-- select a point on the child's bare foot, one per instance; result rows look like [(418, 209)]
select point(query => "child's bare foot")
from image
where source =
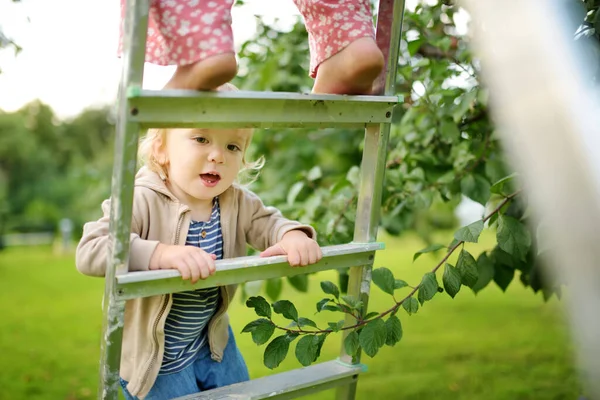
[(207, 74), (351, 71)]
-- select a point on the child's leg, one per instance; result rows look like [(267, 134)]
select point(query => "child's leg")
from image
[(344, 56), (169, 386), (207, 74), (195, 36), (351, 71), (212, 374)]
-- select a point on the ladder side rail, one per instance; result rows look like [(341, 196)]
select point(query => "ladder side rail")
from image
[(389, 30), (549, 123), (124, 168)]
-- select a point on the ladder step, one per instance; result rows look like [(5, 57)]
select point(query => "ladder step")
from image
[(243, 269), (286, 385), (245, 109)]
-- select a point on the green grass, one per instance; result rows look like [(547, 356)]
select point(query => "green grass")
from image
[(491, 346)]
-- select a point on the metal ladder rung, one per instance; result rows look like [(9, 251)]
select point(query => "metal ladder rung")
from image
[(243, 269), (245, 109), (286, 385)]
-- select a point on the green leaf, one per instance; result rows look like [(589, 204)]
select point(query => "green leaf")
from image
[(503, 275), (372, 337), (273, 288), (466, 101), (513, 237), (352, 301), (321, 304), (336, 326), (492, 220), (351, 343), (504, 186), (306, 322), (485, 272), (384, 279), (294, 191), (428, 287), (470, 233), (299, 282), (314, 173), (320, 340), (260, 305), (276, 351), (399, 284), (330, 307), (451, 280), (467, 267), (411, 305), (286, 308), (475, 187), (261, 329), (394, 330), (330, 288), (449, 130), (495, 170), (353, 175), (302, 322), (371, 315), (428, 249), (414, 46), (306, 349)]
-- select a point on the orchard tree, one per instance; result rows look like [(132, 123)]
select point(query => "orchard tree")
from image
[(443, 147)]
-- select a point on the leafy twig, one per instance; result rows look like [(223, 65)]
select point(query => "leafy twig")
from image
[(451, 250)]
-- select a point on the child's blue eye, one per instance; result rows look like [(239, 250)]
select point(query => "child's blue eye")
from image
[(201, 139), (233, 147)]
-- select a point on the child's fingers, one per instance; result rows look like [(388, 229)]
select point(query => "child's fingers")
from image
[(197, 260), (313, 254), (318, 251), (293, 256), (194, 268), (209, 262), (275, 250), (184, 269), (303, 252)]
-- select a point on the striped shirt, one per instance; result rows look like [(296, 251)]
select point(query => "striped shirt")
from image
[(186, 324)]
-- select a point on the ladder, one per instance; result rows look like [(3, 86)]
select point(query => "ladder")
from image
[(142, 109)]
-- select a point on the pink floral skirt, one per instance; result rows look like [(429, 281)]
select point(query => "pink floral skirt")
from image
[(182, 32)]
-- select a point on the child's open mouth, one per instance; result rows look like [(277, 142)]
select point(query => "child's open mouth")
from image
[(210, 179)]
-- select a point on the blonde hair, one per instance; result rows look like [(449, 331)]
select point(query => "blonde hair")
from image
[(246, 175)]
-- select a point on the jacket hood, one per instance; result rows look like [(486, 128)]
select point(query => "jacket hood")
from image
[(145, 177)]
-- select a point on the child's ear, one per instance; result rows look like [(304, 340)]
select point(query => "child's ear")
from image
[(159, 152)]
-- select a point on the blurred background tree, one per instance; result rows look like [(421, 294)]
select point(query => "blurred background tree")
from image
[(443, 147)]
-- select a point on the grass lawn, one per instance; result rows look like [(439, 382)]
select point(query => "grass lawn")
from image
[(491, 346)]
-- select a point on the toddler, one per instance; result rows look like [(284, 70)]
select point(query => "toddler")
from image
[(196, 36), (188, 211)]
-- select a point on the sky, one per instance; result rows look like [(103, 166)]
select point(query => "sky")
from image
[(69, 50)]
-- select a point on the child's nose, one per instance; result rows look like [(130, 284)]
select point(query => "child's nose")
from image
[(217, 155)]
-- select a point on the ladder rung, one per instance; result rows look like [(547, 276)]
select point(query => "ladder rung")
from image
[(286, 385), (245, 109), (243, 269)]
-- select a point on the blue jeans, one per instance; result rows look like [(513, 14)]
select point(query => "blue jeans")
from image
[(201, 375)]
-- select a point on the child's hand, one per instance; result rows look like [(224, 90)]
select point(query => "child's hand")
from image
[(300, 249), (192, 262)]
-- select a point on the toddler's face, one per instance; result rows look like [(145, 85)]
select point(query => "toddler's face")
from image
[(202, 163)]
